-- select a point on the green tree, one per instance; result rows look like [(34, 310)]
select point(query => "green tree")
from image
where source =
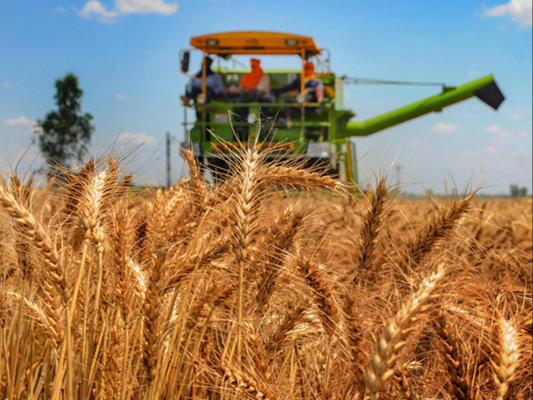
[(517, 191), (65, 132)]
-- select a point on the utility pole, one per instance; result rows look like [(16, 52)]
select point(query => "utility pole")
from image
[(169, 177), (398, 170)]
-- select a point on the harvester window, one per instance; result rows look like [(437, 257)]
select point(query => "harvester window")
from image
[(232, 80)]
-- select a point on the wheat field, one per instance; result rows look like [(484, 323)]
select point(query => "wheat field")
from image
[(246, 290)]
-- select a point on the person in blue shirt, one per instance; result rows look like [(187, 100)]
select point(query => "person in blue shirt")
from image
[(213, 82)]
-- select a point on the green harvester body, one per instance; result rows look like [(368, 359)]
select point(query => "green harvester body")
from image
[(319, 132)]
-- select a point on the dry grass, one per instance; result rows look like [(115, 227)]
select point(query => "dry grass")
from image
[(243, 291)]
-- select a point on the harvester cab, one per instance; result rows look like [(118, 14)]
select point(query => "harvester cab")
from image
[(305, 103)]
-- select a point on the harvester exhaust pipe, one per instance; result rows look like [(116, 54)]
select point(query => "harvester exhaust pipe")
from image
[(490, 95)]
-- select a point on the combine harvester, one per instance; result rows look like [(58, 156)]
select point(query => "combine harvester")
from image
[(320, 132)]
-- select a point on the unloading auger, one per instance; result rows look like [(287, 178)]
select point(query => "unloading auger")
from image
[(484, 89)]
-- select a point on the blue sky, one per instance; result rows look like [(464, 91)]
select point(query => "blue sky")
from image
[(125, 53)]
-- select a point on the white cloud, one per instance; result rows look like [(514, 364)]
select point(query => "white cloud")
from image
[(19, 121), (442, 127), (493, 129), (506, 135), (517, 116), (519, 10), (145, 6), (473, 72), (121, 96), (141, 138), (7, 84), (418, 147), (60, 9), (95, 9)]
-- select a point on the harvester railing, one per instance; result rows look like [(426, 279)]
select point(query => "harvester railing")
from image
[(301, 122)]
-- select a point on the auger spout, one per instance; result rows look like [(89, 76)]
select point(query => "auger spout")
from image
[(484, 89)]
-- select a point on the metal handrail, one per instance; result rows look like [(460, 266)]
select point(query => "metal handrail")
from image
[(219, 124), (302, 124), (258, 104)]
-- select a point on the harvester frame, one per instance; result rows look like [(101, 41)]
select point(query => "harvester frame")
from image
[(322, 132)]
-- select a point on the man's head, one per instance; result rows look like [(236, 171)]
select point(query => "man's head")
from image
[(208, 62), (255, 63), (309, 69)]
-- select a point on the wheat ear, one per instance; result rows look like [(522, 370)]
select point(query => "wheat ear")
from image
[(244, 382), (258, 353), (75, 189), (279, 335), (34, 231), (370, 228), (453, 358), (198, 185), (92, 205), (123, 285), (283, 234), (322, 293), (436, 231), (292, 176), (245, 202), (353, 335), (152, 313), (177, 195), (52, 281), (505, 368), (383, 363)]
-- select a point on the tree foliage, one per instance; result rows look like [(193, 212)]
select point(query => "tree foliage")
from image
[(517, 191), (65, 132)]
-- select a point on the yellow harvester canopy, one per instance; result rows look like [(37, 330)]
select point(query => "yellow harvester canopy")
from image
[(255, 43)]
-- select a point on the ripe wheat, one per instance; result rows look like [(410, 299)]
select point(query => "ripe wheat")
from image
[(252, 289)]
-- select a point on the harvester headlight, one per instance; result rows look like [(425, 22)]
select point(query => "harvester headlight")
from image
[(212, 42), (252, 118), (200, 99), (321, 150), (291, 42)]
